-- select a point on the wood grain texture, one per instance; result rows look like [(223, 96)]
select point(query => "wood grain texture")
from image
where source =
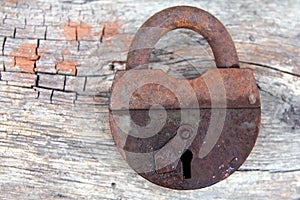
[(57, 64)]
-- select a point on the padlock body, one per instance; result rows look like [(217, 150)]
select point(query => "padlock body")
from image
[(236, 115)]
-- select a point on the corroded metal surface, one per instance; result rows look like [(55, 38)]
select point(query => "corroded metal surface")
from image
[(238, 136), (239, 84), (184, 134), (182, 17), (231, 150)]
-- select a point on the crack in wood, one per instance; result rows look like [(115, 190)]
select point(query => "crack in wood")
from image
[(102, 34), (14, 33), (3, 44), (270, 67), (269, 171)]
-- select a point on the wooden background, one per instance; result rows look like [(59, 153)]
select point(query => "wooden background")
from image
[(57, 64)]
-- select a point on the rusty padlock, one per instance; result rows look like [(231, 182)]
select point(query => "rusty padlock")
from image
[(184, 134)]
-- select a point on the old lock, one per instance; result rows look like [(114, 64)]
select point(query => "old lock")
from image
[(184, 134)]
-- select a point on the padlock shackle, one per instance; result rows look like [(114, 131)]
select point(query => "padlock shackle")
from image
[(182, 17)]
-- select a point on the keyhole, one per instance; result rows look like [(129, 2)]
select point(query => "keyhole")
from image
[(186, 160)]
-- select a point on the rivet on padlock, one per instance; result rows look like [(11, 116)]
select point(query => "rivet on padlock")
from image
[(184, 134)]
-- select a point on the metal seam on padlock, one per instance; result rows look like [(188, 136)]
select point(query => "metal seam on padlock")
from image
[(184, 134)]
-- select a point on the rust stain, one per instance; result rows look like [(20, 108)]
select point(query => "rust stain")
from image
[(70, 32), (66, 52), (24, 64), (13, 1), (111, 29), (73, 24), (24, 57), (77, 31), (67, 67), (84, 31), (26, 51)]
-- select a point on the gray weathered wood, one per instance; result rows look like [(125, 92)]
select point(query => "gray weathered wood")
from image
[(55, 141)]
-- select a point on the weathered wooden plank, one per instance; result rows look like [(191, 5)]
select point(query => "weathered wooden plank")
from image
[(55, 141)]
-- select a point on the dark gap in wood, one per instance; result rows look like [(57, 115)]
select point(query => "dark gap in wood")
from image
[(26, 38), (102, 94), (111, 66), (102, 34), (84, 84), (76, 34), (253, 170), (99, 76), (3, 44), (37, 80), (75, 74), (19, 86), (286, 171), (76, 97), (55, 89), (65, 82), (36, 53), (49, 73), (258, 86), (78, 46), (75, 181), (56, 40), (180, 61), (45, 34), (270, 171), (34, 64), (51, 96), (15, 31), (62, 196), (160, 52), (37, 46), (38, 94), (269, 93), (21, 168), (20, 72)]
